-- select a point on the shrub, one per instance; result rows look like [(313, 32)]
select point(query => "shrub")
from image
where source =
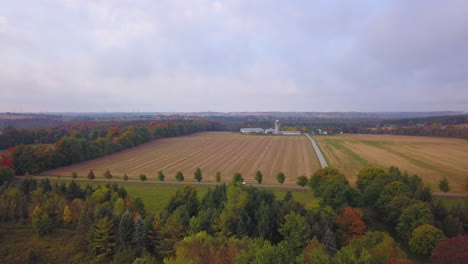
[(142, 177), (218, 176), (74, 175), (125, 177)]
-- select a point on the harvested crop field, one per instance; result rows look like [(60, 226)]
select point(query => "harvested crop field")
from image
[(429, 157), (211, 151)]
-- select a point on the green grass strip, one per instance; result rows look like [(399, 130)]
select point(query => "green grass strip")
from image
[(337, 143)]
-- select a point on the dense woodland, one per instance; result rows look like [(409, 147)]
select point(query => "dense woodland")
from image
[(29, 150), (239, 224)]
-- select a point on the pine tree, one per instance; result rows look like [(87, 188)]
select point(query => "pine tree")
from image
[(329, 240), (103, 240), (126, 228), (140, 234)]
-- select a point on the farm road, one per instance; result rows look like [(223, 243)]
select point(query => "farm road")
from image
[(322, 161)]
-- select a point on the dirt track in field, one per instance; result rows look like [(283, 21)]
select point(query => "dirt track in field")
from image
[(211, 151), (429, 157)]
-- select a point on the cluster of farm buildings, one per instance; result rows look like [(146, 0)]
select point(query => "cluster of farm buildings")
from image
[(274, 131)]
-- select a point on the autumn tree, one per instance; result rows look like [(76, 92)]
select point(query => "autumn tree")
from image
[(67, 215), (454, 250), (424, 238), (259, 176), (179, 176), (349, 225), (444, 185), (102, 239), (197, 175), (161, 176), (280, 177), (218, 176), (91, 175)]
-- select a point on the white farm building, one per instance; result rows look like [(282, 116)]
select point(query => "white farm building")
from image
[(275, 131)]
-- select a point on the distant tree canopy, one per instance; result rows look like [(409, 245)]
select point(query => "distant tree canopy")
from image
[(85, 141)]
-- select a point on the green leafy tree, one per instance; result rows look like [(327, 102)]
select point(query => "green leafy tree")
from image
[(197, 175), (444, 185), (237, 178), (395, 207), (366, 176), (218, 176), (42, 223), (424, 238), (119, 206), (390, 191), (172, 232), (315, 252), (161, 176), (280, 177), (7, 174), (302, 181), (74, 175), (107, 174), (412, 217), (102, 240), (295, 232), (67, 215), (179, 176), (125, 177), (142, 177), (259, 177)]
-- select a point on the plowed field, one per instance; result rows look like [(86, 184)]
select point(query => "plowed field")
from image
[(211, 151), (429, 157)]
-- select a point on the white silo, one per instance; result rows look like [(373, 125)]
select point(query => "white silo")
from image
[(277, 127)]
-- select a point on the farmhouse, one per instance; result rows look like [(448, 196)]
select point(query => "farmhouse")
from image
[(275, 131)]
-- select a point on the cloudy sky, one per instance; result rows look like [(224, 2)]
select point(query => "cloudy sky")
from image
[(233, 55)]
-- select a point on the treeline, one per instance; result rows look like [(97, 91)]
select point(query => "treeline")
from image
[(442, 120), (239, 224), (86, 141), (426, 131)]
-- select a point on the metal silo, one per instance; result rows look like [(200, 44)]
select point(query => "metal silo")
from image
[(277, 127)]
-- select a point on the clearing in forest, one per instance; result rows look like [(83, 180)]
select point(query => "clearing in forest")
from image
[(211, 151)]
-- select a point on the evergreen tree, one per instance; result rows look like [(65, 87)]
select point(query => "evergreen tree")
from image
[(102, 240), (126, 228), (140, 234), (329, 240)]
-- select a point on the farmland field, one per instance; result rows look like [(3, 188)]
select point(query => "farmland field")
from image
[(429, 157), (211, 151)]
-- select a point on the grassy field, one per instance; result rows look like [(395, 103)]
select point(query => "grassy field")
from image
[(429, 157), (212, 151)]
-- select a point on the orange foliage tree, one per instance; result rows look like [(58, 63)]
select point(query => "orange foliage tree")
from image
[(350, 225)]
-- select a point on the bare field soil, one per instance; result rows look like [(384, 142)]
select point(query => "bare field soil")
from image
[(211, 151), (429, 157)]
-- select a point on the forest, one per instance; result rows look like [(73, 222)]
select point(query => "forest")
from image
[(36, 150), (234, 223)]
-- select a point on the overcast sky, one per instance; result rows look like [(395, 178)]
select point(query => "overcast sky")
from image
[(234, 55)]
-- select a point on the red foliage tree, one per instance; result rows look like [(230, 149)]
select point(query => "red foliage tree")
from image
[(350, 225), (7, 163), (453, 250)]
